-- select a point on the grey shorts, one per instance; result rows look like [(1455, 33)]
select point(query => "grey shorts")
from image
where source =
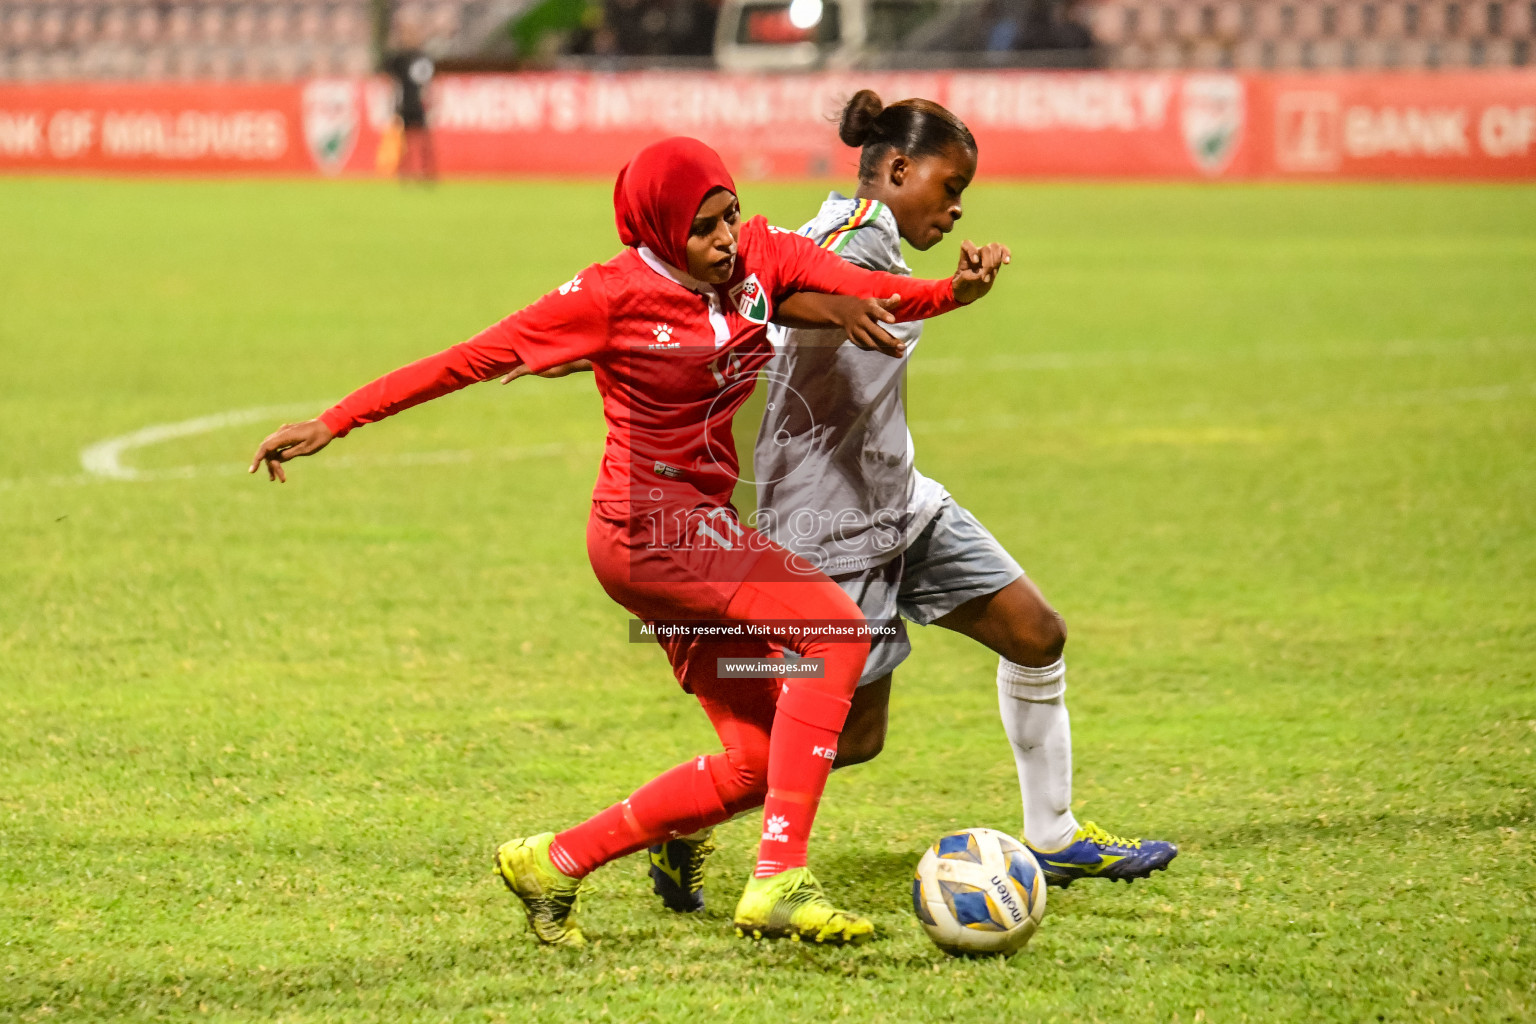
[(952, 561)]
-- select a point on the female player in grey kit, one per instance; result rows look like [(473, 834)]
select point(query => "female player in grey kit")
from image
[(837, 485)]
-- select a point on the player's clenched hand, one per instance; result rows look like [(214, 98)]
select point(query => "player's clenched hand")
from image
[(862, 320), (978, 270), (562, 370), (865, 323), (289, 442)]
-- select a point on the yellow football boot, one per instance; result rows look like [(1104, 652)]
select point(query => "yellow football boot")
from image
[(791, 905), (548, 896)]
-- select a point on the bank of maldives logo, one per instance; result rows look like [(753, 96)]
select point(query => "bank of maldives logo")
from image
[(330, 122), (1212, 112)]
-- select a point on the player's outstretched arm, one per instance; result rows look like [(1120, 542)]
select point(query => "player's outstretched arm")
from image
[(978, 270), (803, 266), (290, 441), (564, 328), (561, 370), (862, 320)]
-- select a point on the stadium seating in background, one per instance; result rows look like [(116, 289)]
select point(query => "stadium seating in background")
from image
[(1314, 34), (281, 40), (214, 40)]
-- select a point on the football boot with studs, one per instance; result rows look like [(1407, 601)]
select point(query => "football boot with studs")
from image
[(677, 871), (548, 895), (791, 905), (1095, 853)]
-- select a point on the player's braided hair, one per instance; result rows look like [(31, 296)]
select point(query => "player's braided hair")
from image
[(914, 128)]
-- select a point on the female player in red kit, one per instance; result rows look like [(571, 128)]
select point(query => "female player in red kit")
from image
[(675, 327)]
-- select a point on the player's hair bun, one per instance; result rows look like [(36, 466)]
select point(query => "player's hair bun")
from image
[(858, 120), (914, 127)]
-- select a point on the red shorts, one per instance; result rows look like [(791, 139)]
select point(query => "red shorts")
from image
[(663, 563), (658, 581)]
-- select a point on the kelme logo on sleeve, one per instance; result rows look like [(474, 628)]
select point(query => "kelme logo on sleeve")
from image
[(751, 300)]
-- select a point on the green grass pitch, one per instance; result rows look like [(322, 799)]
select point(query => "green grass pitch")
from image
[(1271, 450)]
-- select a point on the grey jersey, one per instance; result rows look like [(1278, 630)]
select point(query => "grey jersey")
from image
[(836, 481)]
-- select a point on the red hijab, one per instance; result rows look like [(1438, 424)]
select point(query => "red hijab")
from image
[(659, 192)]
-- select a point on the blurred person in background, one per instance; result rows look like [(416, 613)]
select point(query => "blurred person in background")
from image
[(1012, 25), (998, 31), (673, 28), (411, 69), (1068, 28), (691, 27), (631, 28)]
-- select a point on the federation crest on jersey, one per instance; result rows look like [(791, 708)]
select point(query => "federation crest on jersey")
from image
[(751, 299), (1212, 112), (330, 122)]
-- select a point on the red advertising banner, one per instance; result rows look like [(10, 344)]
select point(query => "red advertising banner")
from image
[(152, 129), (1474, 126), (1469, 126)]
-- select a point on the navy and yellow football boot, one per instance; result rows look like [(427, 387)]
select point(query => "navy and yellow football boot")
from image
[(1094, 853), (677, 871)]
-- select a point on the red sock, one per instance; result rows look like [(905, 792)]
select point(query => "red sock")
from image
[(675, 803), (800, 752), (809, 714)]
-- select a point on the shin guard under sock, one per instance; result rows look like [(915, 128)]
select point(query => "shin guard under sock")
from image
[(800, 752), (1034, 710), (675, 803)]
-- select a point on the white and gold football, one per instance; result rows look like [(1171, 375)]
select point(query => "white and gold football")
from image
[(979, 892)]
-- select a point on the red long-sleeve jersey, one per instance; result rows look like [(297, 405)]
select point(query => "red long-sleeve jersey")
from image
[(673, 359)]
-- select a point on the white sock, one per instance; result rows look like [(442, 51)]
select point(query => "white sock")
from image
[(1034, 709)]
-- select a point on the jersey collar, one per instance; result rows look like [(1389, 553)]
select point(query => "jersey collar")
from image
[(717, 322), (670, 272)]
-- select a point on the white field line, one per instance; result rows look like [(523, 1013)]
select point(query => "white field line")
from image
[(1488, 393), (1423, 396), (1042, 361), (103, 461), (104, 458)]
